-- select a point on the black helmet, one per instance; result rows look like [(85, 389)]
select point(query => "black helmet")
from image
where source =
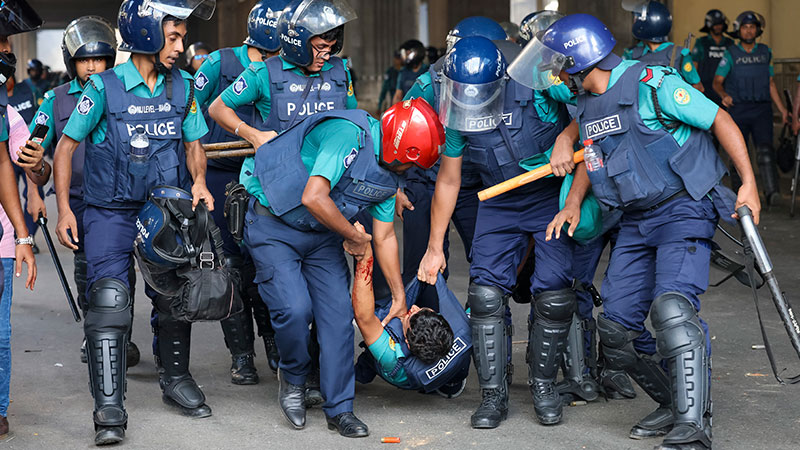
[(16, 16), (714, 17), (88, 37), (412, 52), (745, 18)]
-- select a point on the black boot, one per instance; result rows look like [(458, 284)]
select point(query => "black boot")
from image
[(617, 384), (133, 354), (291, 398), (768, 170), (348, 425), (553, 312), (273, 358), (238, 331), (180, 390), (313, 390), (492, 410)]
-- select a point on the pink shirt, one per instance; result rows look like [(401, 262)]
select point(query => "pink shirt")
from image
[(17, 136)]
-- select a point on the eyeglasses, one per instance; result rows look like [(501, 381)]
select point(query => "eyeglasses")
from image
[(322, 52), (199, 57)]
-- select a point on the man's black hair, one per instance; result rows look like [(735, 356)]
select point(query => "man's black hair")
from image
[(429, 336), (336, 34)]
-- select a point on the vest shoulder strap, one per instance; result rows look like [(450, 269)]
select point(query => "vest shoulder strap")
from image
[(63, 102), (230, 66)]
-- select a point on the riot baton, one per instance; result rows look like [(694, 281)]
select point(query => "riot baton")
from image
[(42, 221), (521, 180), (755, 249), (233, 149)]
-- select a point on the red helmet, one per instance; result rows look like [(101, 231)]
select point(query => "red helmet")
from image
[(412, 133)]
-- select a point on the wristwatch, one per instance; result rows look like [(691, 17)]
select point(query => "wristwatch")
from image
[(27, 240), (40, 172)]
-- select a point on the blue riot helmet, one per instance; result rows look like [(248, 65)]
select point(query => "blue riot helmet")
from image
[(652, 20), (16, 16), (301, 20), (576, 44), (88, 37), (714, 17), (262, 25), (745, 18), (476, 26), (535, 22), (140, 21), (473, 85)]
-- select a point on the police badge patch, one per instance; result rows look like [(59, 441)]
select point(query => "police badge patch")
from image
[(201, 81), (85, 105), (41, 118), (350, 157), (239, 86)]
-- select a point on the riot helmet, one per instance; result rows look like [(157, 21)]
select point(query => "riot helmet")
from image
[(88, 37), (197, 51), (412, 52), (535, 22), (16, 16), (262, 25), (745, 18), (476, 26), (302, 20), (140, 21), (652, 20), (411, 133), (473, 85), (714, 17), (576, 44)]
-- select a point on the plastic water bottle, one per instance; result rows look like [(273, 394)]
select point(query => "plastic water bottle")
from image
[(592, 156), (140, 146)]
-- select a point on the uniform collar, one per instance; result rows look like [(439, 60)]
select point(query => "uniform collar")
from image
[(74, 87), (662, 46), (755, 47), (131, 77), (289, 66)]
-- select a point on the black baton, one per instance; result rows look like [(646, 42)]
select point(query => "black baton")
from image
[(42, 221)]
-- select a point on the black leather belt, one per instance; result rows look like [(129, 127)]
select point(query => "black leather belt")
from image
[(679, 194)]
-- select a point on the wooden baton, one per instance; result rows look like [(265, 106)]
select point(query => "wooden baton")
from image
[(525, 178), (227, 145), (228, 149)]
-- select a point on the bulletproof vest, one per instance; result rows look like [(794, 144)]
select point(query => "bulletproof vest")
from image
[(712, 55), (229, 70), (63, 106), (659, 57), (283, 177), (294, 96), (434, 375), (408, 78), (24, 101), (519, 135), (748, 79), (109, 179), (642, 167)]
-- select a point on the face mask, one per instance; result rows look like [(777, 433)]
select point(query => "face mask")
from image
[(8, 64)]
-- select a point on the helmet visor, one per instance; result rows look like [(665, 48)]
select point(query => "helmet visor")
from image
[(538, 66), (17, 17), (320, 16), (541, 22), (471, 107), (182, 9), (635, 6), (87, 31)]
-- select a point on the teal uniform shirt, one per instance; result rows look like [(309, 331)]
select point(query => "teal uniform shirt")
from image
[(211, 70), (93, 123), (256, 82), (546, 103), (422, 88), (679, 101), (725, 65), (323, 152), (688, 71), (388, 353), (3, 123), (45, 113)]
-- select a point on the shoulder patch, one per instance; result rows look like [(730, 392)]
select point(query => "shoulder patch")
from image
[(193, 109), (41, 118), (687, 67), (656, 75), (350, 157), (239, 86), (85, 105), (201, 81), (391, 343), (681, 96), (648, 75), (349, 89), (723, 62), (48, 95)]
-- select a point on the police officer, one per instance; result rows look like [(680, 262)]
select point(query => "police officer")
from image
[(194, 57), (651, 26), (16, 16), (744, 83), (36, 80), (413, 54), (305, 79), (500, 130), (428, 349), (390, 80), (218, 72), (709, 49), (661, 169), (308, 183), (147, 98)]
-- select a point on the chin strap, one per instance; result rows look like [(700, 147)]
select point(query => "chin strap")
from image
[(167, 72)]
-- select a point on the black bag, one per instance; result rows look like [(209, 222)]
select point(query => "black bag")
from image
[(236, 198), (208, 288), (785, 153)]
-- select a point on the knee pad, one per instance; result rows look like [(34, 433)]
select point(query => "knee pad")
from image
[(764, 153), (556, 306), (486, 301), (676, 324), (617, 342), (109, 295)]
